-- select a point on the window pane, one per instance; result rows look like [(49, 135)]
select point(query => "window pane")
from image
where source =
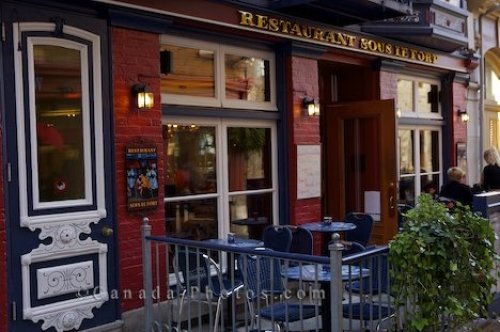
[(249, 158), (190, 154), (428, 98), (59, 127), (407, 190), (429, 184), (193, 219), (429, 151), (247, 78), (405, 95), (250, 214), (406, 154), (190, 71)]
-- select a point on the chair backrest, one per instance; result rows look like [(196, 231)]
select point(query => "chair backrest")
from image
[(364, 226), (277, 238), (192, 270), (302, 240), (261, 275)]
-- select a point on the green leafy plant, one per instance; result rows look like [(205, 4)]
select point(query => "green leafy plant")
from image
[(441, 266)]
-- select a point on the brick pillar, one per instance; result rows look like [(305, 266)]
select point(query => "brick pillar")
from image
[(135, 58), (303, 129)]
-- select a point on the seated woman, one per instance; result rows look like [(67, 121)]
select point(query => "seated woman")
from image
[(455, 190)]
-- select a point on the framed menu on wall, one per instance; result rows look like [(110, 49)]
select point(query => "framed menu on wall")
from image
[(142, 177), (308, 171)]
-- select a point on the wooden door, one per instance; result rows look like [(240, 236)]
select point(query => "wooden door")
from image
[(360, 168)]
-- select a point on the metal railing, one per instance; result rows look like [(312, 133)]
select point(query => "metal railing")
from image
[(200, 286)]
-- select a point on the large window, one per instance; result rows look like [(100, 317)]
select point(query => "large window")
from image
[(419, 162), (207, 74), (419, 146), (219, 177)]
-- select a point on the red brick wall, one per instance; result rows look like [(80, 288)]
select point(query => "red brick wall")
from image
[(135, 58), (304, 129)]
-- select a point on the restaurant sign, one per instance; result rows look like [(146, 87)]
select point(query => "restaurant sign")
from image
[(332, 37)]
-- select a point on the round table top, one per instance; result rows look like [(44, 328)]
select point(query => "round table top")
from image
[(238, 242), (332, 227), (322, 273)]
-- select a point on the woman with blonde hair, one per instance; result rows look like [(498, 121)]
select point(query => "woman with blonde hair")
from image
[(491, 172)]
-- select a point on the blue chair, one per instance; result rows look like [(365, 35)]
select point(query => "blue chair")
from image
[(364, 227), (277, 238), (377, 283), (193, 272), (258, 274), (302, 240)]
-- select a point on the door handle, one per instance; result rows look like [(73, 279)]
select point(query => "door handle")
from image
[(107, 231), (391, 194)]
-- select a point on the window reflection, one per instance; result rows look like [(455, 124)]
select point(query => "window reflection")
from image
[(429, 149), (191, 71), (250, 214), (190, 154), (405, 95), (193, 219), (249, 158), (247, 78), (59, 127), (406, 155)]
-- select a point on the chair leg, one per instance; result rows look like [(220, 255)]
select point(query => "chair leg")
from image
[(217, 314), (179, 313)]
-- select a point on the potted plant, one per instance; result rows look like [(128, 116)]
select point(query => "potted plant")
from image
[(441, 266)]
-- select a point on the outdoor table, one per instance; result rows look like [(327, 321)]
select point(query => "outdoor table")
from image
[(322, 275), (255, 226), (326, 229), (238, 242)]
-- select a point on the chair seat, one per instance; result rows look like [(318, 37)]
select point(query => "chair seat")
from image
[(366, 311), (288, 312)]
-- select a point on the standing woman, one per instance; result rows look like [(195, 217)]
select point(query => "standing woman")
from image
[(491, 172)]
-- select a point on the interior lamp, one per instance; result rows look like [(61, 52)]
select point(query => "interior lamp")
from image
[(310, 106), (144, 98), (464, 116)]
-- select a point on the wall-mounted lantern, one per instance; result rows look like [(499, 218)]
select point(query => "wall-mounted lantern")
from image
[(310, 106), (463, 115), (144, 98)]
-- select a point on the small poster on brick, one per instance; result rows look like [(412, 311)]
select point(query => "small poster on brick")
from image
[(141, 177)]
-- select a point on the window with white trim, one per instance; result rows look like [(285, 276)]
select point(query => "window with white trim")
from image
[(198, 73), (219, 176), (419, 146)]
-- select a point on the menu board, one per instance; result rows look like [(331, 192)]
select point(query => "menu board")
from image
[(308, 171)]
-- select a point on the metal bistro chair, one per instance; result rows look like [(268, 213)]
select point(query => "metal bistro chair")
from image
[(257, 274), (195, 267), (357, 239), (302, 240), (376, 284), (277, 238)]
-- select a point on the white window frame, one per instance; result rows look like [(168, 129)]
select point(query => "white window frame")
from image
[(220, 100), (415, 114), (416, 148), (223, 194), (85, 111)]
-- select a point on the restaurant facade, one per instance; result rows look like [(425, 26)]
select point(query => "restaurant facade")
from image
[(207, 118)]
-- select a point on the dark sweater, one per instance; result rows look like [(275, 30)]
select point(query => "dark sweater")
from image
[(458, 192), (491, 177)]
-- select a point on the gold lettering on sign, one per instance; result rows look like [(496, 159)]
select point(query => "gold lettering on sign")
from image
[(275, 24)]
